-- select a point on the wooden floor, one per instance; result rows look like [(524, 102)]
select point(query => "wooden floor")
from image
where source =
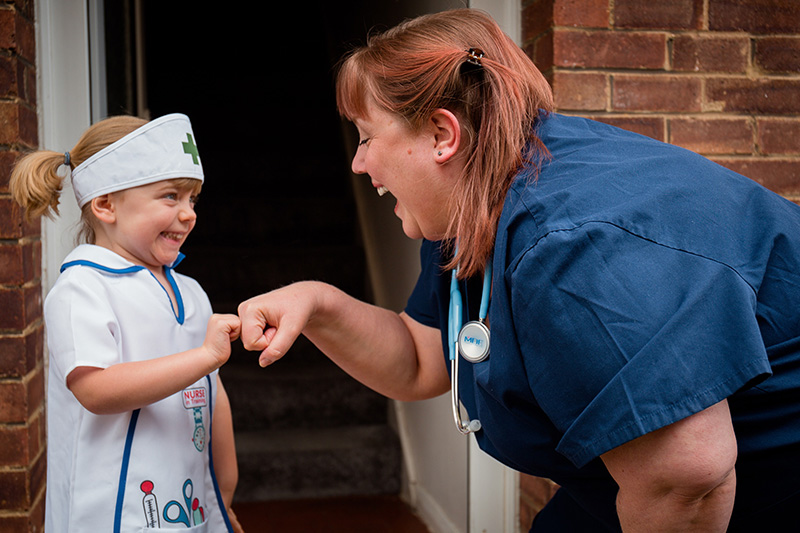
[(358, 514)]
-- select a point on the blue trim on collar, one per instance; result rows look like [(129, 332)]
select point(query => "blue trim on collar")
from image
[(180, 316), (98, 266)]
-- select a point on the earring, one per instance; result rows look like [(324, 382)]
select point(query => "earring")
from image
[(440, 153)]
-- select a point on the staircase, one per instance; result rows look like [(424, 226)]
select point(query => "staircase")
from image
[(303, 427)]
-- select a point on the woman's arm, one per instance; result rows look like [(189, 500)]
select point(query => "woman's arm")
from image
[(678, 478), (389, 352), (127, 386)]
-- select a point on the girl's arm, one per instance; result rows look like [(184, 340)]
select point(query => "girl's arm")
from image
[(128, 386), (224, 446)]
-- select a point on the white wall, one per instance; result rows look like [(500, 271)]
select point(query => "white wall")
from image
[(64, 110)]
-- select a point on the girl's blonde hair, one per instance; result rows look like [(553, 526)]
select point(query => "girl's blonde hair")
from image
[(423, 65), (36, 185)]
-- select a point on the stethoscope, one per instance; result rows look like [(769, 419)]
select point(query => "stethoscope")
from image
[(471, 341)]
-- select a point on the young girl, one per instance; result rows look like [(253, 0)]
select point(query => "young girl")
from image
[(137, 415)]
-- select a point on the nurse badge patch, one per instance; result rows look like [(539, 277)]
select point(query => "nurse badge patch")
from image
[(195, 399)]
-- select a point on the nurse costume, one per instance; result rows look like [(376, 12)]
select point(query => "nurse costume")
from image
[(150, 469), (146, 470), (635, 284)]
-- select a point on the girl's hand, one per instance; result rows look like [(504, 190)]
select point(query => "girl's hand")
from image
[(221, 331)]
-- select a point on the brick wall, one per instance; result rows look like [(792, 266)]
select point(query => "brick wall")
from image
[(22, 417), (719, 77)]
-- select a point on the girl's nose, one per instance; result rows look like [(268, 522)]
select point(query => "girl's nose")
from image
[(187, 213)]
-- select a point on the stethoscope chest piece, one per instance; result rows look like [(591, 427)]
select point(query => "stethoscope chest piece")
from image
[(473, 341)]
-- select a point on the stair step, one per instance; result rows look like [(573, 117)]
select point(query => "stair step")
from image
[(307, 391), (318, 462)]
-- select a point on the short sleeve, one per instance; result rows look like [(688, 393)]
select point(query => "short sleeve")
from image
[(621, 335), (423, 304), (81, 326)]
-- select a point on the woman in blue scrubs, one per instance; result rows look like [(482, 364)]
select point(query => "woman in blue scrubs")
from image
[(645, 332)]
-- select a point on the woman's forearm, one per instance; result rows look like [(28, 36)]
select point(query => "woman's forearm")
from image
[(389, 353)]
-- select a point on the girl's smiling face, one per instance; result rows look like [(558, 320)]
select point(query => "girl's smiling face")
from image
[(404, 162), (150, 222)]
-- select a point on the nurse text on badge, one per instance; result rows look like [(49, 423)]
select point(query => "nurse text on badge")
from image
[(194, 398)]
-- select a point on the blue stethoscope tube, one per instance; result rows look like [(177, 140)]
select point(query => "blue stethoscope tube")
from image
[(470, 341)]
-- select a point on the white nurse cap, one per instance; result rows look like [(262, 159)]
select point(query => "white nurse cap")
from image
[(160, 150)]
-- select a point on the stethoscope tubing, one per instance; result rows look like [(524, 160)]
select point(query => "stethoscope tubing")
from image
[(454, 329)]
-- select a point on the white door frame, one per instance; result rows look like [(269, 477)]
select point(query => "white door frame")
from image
[(64, 95), (493, 487)]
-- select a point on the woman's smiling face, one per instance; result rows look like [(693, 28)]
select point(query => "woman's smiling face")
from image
[(404, 162)]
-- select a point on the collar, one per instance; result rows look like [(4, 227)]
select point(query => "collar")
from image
[(106, 260)]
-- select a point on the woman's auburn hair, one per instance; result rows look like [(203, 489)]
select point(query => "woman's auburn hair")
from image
[(422, 65)]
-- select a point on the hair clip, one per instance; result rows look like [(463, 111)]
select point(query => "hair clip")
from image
[(474, 56), (66, 158)]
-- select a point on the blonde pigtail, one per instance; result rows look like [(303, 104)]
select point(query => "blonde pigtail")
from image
[(36, 185)]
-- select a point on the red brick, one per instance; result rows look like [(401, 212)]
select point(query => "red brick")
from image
[(14, 445), (12, 222), (537, 18), (13, 490), (779, 136), (778, 54), (754, 16), (713, 135), (17, 34), (710, 54), (19, 353), (17, 124), (13, 402), (35, 389), (9, 76), (37, 435), (541, 51), (581, 13), (7, 28), (662, 14), (29, 95), (653, 127), (26, 38), (20, 307), (655, 93), (17, 263), (763, 96), (606, 49), (580, 90), (779, 175), (7, 160)]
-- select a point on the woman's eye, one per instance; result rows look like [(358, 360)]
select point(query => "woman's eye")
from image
[(363, 142)]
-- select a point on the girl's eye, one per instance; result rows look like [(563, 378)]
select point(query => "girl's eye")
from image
[(171, 196), (194, 199)]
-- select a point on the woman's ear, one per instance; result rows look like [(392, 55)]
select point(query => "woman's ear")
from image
[(103, 209), (447, 135)]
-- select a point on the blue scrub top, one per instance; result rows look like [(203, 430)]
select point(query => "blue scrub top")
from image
[(635, 284)]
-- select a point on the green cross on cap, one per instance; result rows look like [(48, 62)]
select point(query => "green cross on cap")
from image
[(191, 149)]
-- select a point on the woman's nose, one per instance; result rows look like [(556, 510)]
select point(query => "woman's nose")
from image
[(358, 162)]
